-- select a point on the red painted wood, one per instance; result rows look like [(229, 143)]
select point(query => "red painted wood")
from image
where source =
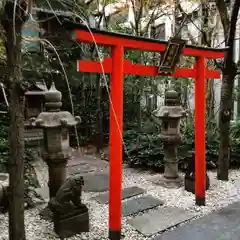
[(116, 119), (143, 45), (200, 111), (117, 67), (138, 69), (212, 74)]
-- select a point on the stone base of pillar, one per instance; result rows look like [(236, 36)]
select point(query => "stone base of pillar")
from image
[(168, 182), (189, 183), (71, 224)]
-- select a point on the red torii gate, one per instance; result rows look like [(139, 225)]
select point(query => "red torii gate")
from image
[(117, 67)]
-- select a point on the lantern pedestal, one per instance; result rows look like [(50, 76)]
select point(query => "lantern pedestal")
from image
[(169, 117), (73, 223), (168, 182)]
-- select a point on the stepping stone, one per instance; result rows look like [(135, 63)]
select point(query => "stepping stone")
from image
[(160, 220), (73, 163), (43, 192), (126, 193), (220, 225), (92, 183), (237, 183), (139, 204), (82, 169), (96, 182)]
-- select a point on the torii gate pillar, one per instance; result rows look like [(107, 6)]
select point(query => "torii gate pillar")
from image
[(200, 148), (116, 119)]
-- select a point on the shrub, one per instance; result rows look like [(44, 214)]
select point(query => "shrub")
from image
[(146, 150)]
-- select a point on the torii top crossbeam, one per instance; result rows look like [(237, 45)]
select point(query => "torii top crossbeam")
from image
[(132, 42), (117, 67)]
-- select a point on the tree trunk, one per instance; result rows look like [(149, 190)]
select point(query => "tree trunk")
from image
[(229, 73), (238, 99), (224, 123), (16, 169), (16, 134), (238, 84)]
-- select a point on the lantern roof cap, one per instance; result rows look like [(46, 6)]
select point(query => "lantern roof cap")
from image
[(53, 117), (169, 112), (53, 99), (56, 119)]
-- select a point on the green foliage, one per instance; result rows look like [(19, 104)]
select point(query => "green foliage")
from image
[(144, 148), (212, 141), (141, 138), (235, 143)]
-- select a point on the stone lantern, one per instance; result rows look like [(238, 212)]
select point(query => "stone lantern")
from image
[(55, 125), (169, 117), (34, 106)]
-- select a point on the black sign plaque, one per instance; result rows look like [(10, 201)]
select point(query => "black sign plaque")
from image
[(171, 56)]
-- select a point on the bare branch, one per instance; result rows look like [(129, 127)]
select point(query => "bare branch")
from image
[(204, 35), (29, 7), (190, 36), (222, 9), (152, 18), (233, 22)]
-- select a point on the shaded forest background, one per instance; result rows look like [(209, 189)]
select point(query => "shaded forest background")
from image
[(91, 100)]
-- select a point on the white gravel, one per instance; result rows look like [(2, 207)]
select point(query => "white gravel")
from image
[(219, 195)]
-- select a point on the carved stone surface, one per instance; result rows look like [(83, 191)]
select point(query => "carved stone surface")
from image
[(68, 226), (55, 124), (189, 179), (170, 116), (68, 197), (70, 215)]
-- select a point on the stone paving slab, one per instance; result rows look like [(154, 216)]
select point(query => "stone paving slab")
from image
[(140, 204), (126, 193), (159, 220), (89, 159), (43, 192), (96, 182), (220, 225), (72, 164), (77, 162), (92, 183), (81, 169), (94, 171)]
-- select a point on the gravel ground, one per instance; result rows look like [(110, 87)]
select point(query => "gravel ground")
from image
[(219, 195)]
